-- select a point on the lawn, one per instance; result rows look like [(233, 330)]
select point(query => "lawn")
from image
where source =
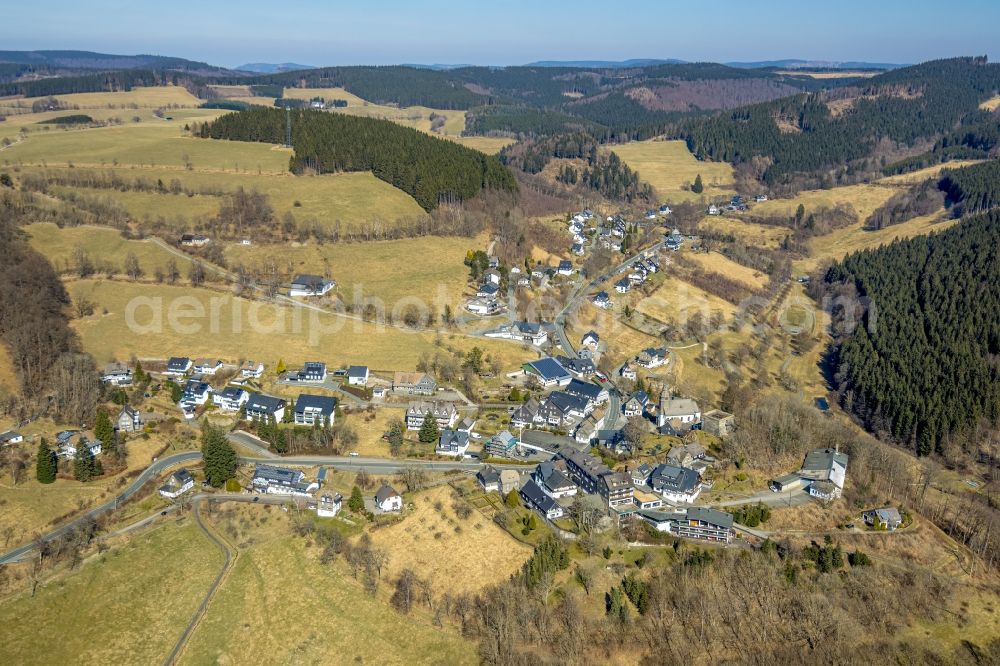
[(428, 267), (128, 605), (279, 605), (457, 554), (347, 199), (103, 246), (216, 324), (671, 168)]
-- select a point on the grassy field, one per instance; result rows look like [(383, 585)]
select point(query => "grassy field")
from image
[(249, 329), (424, 267), (297, 610), (457, 555), (992, 104), (717, 263), (102, 245), (840, 74), (864, 199), (677, 300), (761, 235), (153, 585), (351, 199), (150, 204), (154, 97), (670, 168), (927, 172)]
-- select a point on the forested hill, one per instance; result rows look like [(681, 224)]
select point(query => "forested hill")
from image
[(810, 133), (431, 170), (922, 363), (973, 188)]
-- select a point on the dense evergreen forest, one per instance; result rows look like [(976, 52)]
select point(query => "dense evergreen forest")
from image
[(431, 170), (922, 361), (101, 82), (973, 140), (973, 188), (841, 127)]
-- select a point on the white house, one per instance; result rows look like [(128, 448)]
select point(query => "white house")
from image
[(207, 366), (11, 437), (565, 267), (178, 366), (310, 285), (628, 372), (261, 406), (196, 392), (251, 370), (357, 375), (553, 481), (590, 339), (623, 286), (177, 484), (117, 374), (679, 485), (314, 410), (388, 500), (329, 505), (68, 450), (129, 420), (453, 443), (282, 481), (678, 412), (714, 210), (230, 399)]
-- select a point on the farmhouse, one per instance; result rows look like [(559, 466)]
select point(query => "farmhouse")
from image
[(259, 406), (329, 505), (452, 443), (676, 484), (414, 383), (310, 285), (178, 366), (535, 498), (387, 500), (312, 371), (251, 370), (282, 481), (442, 412), (129, 420), (314, 410), (694, 523), (887, 518), (117, 374), (230, 399), (548, 371), (357, 375), (177, 484)]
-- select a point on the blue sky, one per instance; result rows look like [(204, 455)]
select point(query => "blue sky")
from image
[(503, 32)]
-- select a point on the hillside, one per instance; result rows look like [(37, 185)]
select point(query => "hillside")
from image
[(431, 170)]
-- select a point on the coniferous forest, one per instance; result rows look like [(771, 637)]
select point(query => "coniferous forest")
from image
[(431, 170), (974, 188), (921, 363)]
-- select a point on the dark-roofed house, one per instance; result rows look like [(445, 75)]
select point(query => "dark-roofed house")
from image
[(548, 371), (887, 518), (442, 412), (581, 367), (177, 484), (312, 371), (536, 498), (616, 489), (588, 391), (652, 357), (357, 375), (196, 392), (825, 465), (259, 406), (129, 420), (329, 505), (314, 410), (282, 481), (591, 338), (568, 406), (552, 481), (452, 443), (310, 285), (178, 366), (676, 484), (489, 478), (117, 374), (524, 416), (230, 399), (11, 437), (388, 500), (694, 523), (414, 383), (565, 267), (686, 455)]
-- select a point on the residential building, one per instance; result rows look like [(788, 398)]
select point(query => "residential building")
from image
[(677, 413), (259, 406), (491, 276), (196, 392), (686, 455), (887, 518), (207, 366), (581, 367), (452, 443), (652, 357), (487, 290), (602, 300), (568, 405), (718, 423), (522, 331), (489, 479), (825, 465), (414, 383), (501, 445), (230, 399), (177, 484), (616, 489), (587, 430), (251, 370), (329, 505), (623, 286), (565, 267), (11, 437), (679, 485), (314, 410), (585, 470), (548, 371), (591, 338), (552, 481), (714, 210), (645, 501), (178, 366), (388, 500), (282, 481), (312, 371), (129, 420), (310, 285), (466, 425), (357, 375), (665, 210), (117, 374), (635, 405), (483, 307), (68, 449), (640, 474), (535, 498), (442, 412), (628, 372), (194, 240), (594, 393), (694, 523), (524, 416), (509, 480)]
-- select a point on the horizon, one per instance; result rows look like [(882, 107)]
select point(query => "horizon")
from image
[(446, 32)]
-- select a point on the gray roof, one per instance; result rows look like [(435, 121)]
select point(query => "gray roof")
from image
[(587, 390), (488, 475), (264, 403), (178, 363), (712, 516), (325, 404), (357, 371), (549, 369), (565, 402), (552, 478), (673, 478), (822, 460), (231, 392), (456, 438), (278, 475), (384, 493), (537, 497), (527, 327)]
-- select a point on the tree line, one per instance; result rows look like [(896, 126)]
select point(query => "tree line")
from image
[(431, 170), (973, 188)]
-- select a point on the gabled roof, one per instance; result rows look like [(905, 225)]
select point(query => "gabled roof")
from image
[(231, 392), (308, 280), (178, 363), (711, 516), (488, 475), (565, 402), (673, 478), (822, 460), (549, 369), (534, 495), (357, 371), (264, 403), (450, 438), (528, 328), (592, 335), (384, 493), (323, 403), (587, 390)]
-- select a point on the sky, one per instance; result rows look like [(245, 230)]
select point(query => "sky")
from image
[(507, 32)]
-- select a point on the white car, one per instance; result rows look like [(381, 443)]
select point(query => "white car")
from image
[(475, 435)]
